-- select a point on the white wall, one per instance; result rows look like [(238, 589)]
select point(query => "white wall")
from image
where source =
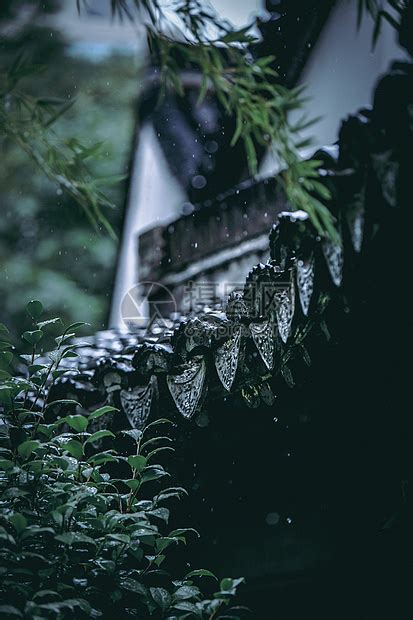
[(154, 198), (341, 73)]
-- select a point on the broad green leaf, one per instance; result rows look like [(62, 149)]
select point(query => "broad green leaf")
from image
[(34, 308), (137, 462), (134, 586), (160, 449), (77, 422), (101, 411), (184, 530), (36, 368), (101, 458), (33, 337), (153, 472), (164, 542), (134, 433), (35, 531), (62, 401), (133, 484), (151, 441), (6, 357), (161, 597), (74, 326), (201, 572), (186, 592), (123, 538), (70, 538), (74, 448), (160, 513), (18, 521), (99, 435), (157, 422), (26, 448), (187, 606), (5, 464), (228, 585)]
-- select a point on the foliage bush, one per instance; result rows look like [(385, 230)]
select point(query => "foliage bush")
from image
[(79, 539)]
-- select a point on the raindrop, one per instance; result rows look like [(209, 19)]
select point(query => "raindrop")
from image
[(198, 181), (187, 208)]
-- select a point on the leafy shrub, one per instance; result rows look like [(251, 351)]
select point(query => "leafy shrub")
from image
[(77, 540)]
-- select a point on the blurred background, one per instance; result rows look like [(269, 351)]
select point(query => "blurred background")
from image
[(48, 248)]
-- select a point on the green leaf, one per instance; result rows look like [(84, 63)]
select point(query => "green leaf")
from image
[(184, 530), (160, 449), (160, 513), (137, 462), (133, 483), (150, 441), (74, 448), (70, 538), (99, 435), (186, 592), (134, 586), (157, 422), (62, 401), (33, 337), (5, 464), (123, 538), (18, 521), (102, 457), (164, 542), (153, 472), (6, 357), (78, 422), (74, 327), (161, 597), (26, 448), (101, 411), (228, 585), (34, 308), (134, 433), (201, 572), (187, 606), (36, 368)]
